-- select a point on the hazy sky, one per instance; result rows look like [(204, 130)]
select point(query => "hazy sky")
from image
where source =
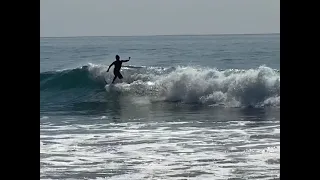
[(157, 17)]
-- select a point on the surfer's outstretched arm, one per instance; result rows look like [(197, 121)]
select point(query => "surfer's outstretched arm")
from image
[(110, 66), (126, 60)]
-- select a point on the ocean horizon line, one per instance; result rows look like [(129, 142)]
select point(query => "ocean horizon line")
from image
[(227, 34)]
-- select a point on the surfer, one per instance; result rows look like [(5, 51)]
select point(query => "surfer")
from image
[(117, 66)]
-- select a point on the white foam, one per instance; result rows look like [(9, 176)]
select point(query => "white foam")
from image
[(159, 152), (232, 87)]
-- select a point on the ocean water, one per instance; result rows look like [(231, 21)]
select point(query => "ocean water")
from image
[(188, 107)]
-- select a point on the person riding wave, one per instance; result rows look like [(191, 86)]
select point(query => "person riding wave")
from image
[(117, 67)]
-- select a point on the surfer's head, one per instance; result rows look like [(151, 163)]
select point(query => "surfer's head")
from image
[(117, 57)]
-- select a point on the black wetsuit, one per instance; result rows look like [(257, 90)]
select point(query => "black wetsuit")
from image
[(117, 67)]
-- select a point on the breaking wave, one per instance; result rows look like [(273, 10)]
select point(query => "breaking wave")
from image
[(195, 85)]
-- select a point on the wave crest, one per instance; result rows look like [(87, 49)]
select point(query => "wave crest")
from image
[(230, 87)]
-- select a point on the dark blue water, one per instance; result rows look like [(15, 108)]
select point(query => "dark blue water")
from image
[(196, 107)]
